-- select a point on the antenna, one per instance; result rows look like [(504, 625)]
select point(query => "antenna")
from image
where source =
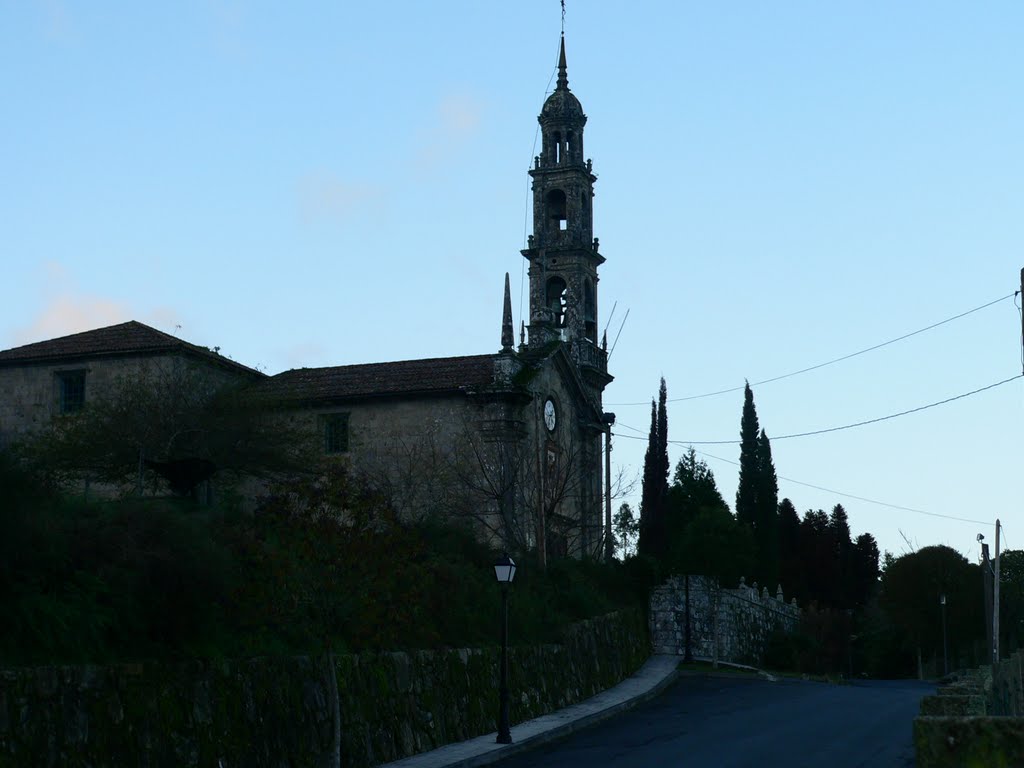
[(618, 334)]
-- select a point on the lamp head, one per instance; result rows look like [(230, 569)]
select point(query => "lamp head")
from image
[(505, 569)]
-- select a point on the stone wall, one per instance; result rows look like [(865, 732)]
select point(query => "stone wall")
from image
[(974, 720), (745, 619), (345, 711), (30, 395)]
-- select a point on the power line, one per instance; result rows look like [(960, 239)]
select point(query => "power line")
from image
[(859, 423), (834, 360), (822, 488), (854, 496)]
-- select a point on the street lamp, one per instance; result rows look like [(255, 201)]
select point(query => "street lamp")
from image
[(504, 571), (945, 647)]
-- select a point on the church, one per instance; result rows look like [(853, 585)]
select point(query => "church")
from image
[(515, 441)]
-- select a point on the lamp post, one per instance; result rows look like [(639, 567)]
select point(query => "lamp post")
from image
[(505, 571), (945, 645)]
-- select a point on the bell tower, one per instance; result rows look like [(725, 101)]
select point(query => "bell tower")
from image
[(562, 251)]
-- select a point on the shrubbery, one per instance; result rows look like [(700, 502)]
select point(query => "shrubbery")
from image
[(161, 578)]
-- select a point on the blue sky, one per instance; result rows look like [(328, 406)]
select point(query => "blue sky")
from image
[(779, 184)]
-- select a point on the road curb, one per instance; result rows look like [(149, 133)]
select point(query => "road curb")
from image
[(565, 729)]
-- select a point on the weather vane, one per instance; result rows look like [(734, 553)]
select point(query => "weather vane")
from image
[(563, 18)]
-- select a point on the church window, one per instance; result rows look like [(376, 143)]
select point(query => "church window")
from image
[(335, 426), (556, 300), (71, 391), (556, 209), (558, 147)]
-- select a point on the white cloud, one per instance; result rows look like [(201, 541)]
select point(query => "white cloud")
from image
[(456, 120), (65, 310)]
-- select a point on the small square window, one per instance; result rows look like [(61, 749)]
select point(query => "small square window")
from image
[(335, 432), (71, 386)]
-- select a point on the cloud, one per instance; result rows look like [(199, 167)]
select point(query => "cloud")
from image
[(67, 311), (456, 120), (323, 196)]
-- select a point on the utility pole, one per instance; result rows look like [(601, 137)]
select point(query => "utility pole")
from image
[(995, 603), (986, 582)]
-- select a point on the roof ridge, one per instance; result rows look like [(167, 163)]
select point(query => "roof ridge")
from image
[(485, 356)]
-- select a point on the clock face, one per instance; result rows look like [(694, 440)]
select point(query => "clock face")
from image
[(550, 417)]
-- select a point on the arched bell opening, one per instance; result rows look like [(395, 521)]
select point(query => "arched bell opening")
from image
[(555, 300), (556, 211)]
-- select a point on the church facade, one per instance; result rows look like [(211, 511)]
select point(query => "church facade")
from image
[(513, 441)]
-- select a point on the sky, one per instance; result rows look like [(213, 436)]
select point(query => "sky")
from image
[(780, 184)]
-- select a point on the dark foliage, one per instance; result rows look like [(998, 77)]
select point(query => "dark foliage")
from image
[(654, 493), (322, 564)]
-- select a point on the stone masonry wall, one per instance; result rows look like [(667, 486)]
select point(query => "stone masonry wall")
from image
[(347, 711), (746, 619)]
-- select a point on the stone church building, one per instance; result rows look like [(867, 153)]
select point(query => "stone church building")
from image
[(512, 439)]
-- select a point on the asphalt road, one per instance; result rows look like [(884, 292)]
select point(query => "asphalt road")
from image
[(740, 722)]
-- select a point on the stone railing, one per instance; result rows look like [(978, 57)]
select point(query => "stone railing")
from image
[(727, 624)]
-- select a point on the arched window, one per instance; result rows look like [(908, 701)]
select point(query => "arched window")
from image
[(555, 300), (557, 147), (556, 210)]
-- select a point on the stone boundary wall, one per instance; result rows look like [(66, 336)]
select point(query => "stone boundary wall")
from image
[(346, 710), (978, 719), (746, 619)]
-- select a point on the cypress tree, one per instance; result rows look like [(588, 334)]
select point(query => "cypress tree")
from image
[(646, 544), (663, 467), (746, 493), (766, 527), (654, 495)]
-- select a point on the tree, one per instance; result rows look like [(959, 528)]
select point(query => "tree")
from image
[(791, 571), (663, 463), (817, 553), (1011, 598), (864, 569), (175, 425), (910, 592), (757, 496), (839, 527), (626, 528), (766, 530), (746, 493), (655, 481), (693, 489)]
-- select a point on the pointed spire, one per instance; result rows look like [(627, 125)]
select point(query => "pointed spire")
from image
[(507, 337), (563, 77)]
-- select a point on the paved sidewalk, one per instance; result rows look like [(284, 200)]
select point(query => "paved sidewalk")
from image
[(657, 673)]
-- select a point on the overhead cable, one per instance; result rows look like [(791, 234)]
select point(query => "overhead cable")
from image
[(834, 360), (822, 488), (858, 423)]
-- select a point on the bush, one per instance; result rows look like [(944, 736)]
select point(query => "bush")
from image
[(162, 578)]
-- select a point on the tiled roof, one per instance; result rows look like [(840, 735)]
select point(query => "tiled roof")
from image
[(405, 377), (131, 338)]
